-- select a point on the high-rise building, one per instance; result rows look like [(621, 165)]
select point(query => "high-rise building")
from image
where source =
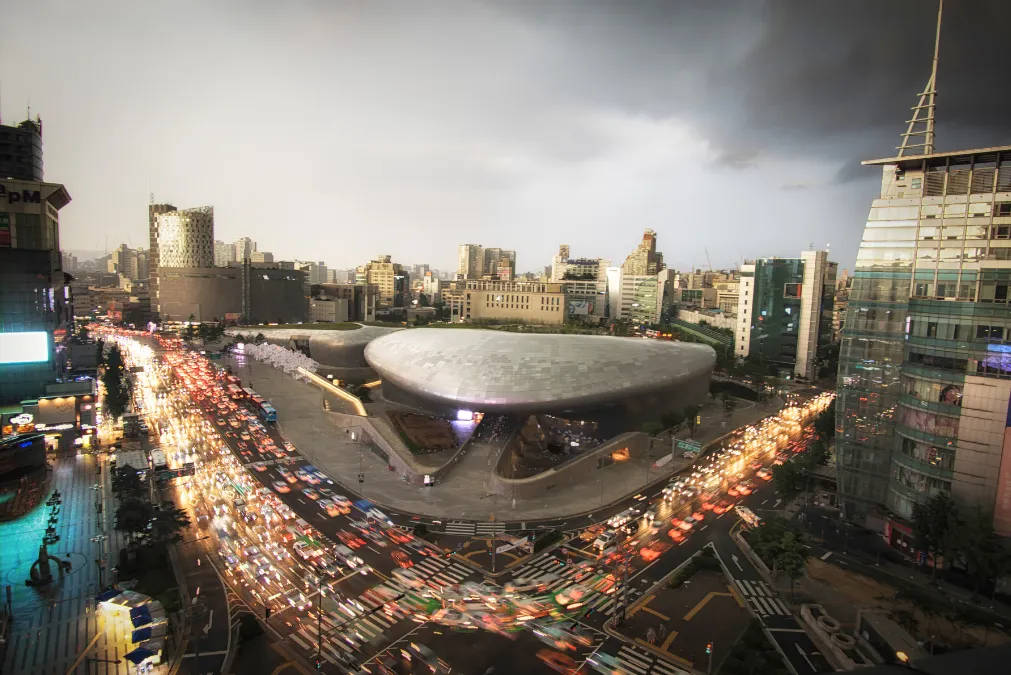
[(924, 391), (644, 260), (153, 259), (36, 306), (186, 237), (182, 239), (784, 311), (476, 262), (244, 248), (389, 277), (471, 262), (261, 257), (224, 254), (21, 151)]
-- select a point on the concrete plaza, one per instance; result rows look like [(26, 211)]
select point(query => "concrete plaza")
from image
[(464, 493), (56, 628)]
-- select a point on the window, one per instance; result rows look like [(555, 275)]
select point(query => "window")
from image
[(931, 329), (989, 332), (916, 183), (1003, 209)]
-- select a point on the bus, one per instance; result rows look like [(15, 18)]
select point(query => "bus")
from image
[(263, 408), (748, 516)]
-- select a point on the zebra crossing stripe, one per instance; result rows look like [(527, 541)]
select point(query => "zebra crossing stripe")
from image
[(634, 656), (297, 640)]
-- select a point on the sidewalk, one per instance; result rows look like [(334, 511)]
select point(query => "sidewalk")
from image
[(463, 495), (869, 555)]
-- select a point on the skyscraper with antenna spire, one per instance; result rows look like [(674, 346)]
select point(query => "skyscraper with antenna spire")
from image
[(924, 382)]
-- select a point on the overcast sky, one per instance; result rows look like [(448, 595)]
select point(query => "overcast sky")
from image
[(340, 130)]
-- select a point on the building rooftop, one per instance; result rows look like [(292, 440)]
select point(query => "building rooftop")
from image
[(959, 155), (497, 370)]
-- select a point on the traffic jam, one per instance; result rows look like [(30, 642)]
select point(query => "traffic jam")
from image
[(712, 487), (337, 577)]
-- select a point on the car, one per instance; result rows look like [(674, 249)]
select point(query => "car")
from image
[(676, 534), (744, 489), (764, 473), (685, 524), (350, 540), (310, 493), (260, 467), (733, 491), (287, 475), (401, 558), (698, 516), (722, 507)]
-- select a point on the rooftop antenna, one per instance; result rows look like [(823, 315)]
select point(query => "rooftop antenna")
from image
[(921, 124)]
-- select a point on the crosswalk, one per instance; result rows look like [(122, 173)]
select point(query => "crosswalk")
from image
[(761, 598), (633, 660), (369, 618), (557, 576), (461, 528)]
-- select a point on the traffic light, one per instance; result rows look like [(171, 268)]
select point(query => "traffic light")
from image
[(317, 663), (709, 648)]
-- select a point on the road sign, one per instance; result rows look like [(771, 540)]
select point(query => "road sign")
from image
[(688, 447)]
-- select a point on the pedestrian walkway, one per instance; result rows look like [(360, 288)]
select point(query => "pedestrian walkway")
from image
[(56, 628), (761, 598), (463, 495), (557, 577), (632, 659)]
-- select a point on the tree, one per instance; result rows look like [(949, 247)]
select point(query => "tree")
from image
[(788, 479), (167, 523), (935, 523), (692, 413), (824, 424), (979, 546), (126, 483), (133, 516), (791, 558), (117, 393)]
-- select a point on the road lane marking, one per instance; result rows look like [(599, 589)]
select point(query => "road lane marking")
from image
[(702, 603)]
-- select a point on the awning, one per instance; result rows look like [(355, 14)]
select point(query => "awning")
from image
[(141, 634), (139, 654), (107, 595), (139, 616)]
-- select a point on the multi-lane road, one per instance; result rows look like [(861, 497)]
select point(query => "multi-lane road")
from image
[(342, 585)]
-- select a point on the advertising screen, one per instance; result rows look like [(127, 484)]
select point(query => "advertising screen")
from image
[(24, 347)]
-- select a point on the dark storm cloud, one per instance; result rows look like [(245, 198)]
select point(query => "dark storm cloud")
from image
[(343, 129)]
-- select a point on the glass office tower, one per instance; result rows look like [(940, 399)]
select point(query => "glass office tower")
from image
[(925, 360)]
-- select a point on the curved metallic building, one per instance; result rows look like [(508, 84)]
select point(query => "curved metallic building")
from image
[(444, 370), (330, 348)]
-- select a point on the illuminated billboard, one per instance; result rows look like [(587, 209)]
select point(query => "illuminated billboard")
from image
[(24, 347)]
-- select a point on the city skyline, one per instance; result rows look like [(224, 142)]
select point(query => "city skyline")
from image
[(611, 122)]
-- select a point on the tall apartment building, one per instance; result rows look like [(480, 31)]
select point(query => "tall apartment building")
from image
[(21, 151), (131, 263), (476, 262), (244, 248), (389, 277), (784, 311), (519, 301), (644, 260), (224, 254)]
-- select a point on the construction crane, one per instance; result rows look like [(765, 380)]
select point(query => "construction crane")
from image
[(708, 261)]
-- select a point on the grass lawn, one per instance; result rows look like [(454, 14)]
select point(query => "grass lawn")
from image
[(341, 325)]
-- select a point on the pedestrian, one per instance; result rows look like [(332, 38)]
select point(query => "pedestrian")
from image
[(662, 632), (651, 635)]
